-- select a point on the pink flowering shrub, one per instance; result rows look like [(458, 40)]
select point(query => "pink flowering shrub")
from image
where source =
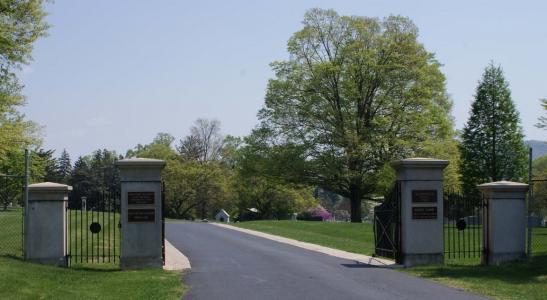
[(320, 211)]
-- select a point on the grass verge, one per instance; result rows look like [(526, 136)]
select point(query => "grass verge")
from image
[(22, 280), (522, 280), (351, 237)]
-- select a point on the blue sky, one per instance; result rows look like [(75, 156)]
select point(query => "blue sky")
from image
[(111, 74)]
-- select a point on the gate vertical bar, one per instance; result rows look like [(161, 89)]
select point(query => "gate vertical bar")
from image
[(75, 229), (468, 242), (67, 241), (114, 219), (92, 239), (86, 233), (530, 202), (473, 227), (163, 221), (103, 212), (98, 233), (109, 222), (81, 234)]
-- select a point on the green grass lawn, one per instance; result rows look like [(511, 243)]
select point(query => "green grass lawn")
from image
[(351, 237), (523, 280), (87, 280), (22, 280)]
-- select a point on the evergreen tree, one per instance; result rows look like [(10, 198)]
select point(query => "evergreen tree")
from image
[(49, 165), (492, 147), (64, 166), (542, 121)]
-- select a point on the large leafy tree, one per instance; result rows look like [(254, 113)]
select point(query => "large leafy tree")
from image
[(260, 185), (21, 24), (355, 93), (492, 146), (196, 182)]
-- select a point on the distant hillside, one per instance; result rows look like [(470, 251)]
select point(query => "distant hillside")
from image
[(539, 148)]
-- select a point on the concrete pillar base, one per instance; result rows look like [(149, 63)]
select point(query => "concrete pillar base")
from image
[(60, 262), (498, 258), (422, 259), (127, 263)]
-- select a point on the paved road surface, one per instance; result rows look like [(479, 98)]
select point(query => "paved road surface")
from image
[(227, 264)]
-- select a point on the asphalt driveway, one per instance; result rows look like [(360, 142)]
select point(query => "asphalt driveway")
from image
[(228, 264)]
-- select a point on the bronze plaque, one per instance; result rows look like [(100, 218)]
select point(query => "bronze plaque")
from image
[(424, 213), (139, 198), (141, 215), (424, 196)]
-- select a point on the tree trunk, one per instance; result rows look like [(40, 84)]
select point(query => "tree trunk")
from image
[(355, 202)]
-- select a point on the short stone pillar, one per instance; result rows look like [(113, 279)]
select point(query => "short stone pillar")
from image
[(505, 226), (421, 186), (45, 223), (141, 213)]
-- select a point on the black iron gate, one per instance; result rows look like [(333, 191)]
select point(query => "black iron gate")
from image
[(387, 225), (93, 228), (464, 216)]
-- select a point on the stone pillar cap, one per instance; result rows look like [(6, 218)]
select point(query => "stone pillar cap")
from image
[(49, 186), (420, 162), (503, 185), (140, 162)]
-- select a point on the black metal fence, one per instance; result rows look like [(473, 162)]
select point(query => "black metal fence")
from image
[(163, 211), (463, 220), (387, 225), (93, 222)]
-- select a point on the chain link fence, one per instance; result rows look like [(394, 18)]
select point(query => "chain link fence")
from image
[(537, 218), (12, 188)]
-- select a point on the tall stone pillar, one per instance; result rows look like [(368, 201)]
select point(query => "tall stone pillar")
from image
[(421, 181), (504, 228), (45, 223), (141, 213)]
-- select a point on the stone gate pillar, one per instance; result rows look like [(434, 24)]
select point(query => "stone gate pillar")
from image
[(141, 213), (504, 227), (421, 181), (45, 223)]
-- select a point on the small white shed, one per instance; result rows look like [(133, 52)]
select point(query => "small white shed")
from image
[(222, 216)]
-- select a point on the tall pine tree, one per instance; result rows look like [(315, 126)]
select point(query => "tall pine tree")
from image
[(492, 147), (65, 166)]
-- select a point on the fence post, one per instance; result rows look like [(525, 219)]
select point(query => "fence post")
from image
[(421, 210), (45, 238), (25, 200), (141, 213), (505, 227)]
